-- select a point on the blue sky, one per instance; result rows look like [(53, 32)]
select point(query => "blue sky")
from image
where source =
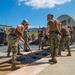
[(12, 12)]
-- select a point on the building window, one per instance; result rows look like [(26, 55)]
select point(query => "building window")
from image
[(69, 20)]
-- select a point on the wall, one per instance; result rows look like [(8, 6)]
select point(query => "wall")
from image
[(69, 20)]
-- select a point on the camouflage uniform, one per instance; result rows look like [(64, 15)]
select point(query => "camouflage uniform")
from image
[(8, 32), (13, 43), (9, 48), (53, 37), (13, 39), (25, 37), (8, 51), (33, 37), (65, 40), (40, 38), (54, 43)]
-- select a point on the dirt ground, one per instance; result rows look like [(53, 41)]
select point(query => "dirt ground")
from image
[(5, 68)]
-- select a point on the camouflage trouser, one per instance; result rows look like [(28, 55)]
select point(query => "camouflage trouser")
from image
[(25, 45), (41, 41), (64, 41), (13, 43), (71, 38), (54, 43), (39, 38), (9, 49)]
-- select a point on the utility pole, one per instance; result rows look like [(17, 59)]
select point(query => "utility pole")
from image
[(5, 23)]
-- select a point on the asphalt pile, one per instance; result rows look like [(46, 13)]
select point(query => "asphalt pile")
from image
[(31, 57)]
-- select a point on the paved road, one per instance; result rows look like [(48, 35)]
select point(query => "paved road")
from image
[(3, 49), (65, 66)]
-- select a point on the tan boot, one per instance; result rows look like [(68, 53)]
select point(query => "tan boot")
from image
[(26, 50), (42, 48), (14, 67), (8, 55), (59, 53), (19, 53), (17, 63), (53, 60), (69, 54)]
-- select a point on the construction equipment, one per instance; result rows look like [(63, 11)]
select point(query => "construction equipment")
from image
[(3, 39)]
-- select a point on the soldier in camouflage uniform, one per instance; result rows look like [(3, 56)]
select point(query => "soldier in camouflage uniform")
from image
[(39, 39), (54, 27), (9, 49), (25, 37), (71, 34), (65, 40), (8, 31), (43, 37), (13, 41)]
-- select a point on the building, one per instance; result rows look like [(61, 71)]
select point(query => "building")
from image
[(4, 27), (68, 20), (34, 29)]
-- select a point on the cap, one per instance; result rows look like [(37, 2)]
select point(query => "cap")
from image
[(24, 21)]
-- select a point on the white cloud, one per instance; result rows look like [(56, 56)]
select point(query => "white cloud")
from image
[(37, 4), (19, 3), (31, 26)]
